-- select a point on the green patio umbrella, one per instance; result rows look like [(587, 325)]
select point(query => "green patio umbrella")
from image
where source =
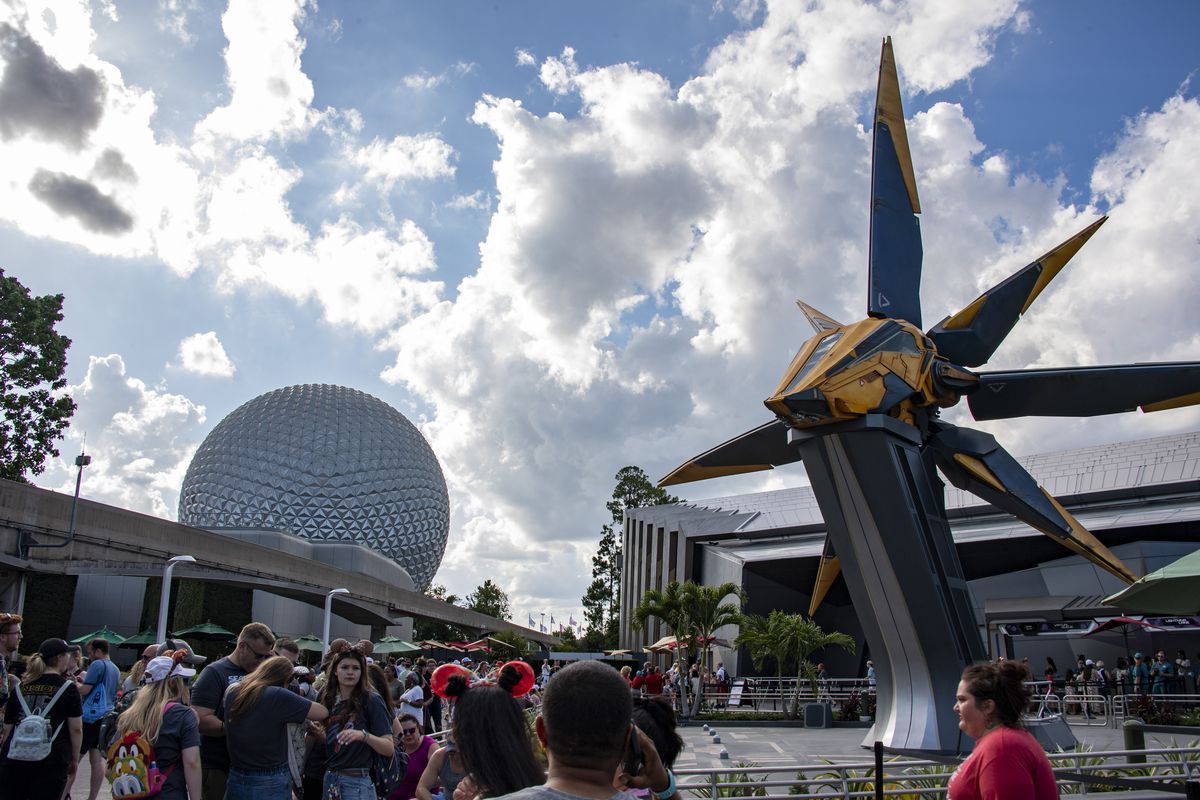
[(140, 639), (390, 645), (110, 636), (1174, 589), (309, 644), (207, 631)]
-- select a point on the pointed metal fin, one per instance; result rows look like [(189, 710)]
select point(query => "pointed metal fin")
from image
[(894, 279), (1085, 391), (820, 322), (827, 572), (971, 336), (974, 462), (764, 447)]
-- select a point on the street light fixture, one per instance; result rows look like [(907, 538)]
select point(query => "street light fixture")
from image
[(329, 614), (165, 595)]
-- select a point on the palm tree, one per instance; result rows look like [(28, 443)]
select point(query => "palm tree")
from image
[(707, 610), (802, 637), (767, 637), (667, 606)]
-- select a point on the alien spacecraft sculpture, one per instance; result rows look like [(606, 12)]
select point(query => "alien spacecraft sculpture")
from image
[(860, 404)]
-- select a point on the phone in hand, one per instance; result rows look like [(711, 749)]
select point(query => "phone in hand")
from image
[(634, 760)]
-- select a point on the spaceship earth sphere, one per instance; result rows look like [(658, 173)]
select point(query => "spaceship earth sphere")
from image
[(327, 463)]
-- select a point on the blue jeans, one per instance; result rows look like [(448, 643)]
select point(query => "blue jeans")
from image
[(273, 784), (351, 787)]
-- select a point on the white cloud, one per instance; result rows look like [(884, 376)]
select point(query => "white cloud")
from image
[(405, 158), (139, 437), (173, 17), (270, 94), (525, 58), (203, 354), (479, 201)]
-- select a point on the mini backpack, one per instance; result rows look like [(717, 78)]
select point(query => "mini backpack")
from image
[(32, 739), (132, 769)]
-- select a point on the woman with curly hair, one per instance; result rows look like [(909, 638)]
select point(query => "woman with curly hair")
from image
[(358, 727), (1007, 761), (257, 713)]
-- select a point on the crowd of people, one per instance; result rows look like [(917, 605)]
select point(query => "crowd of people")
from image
[(257, 724)]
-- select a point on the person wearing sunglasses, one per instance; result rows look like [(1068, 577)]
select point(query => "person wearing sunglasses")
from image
[(10, 640), (420, 748), (254, 646)]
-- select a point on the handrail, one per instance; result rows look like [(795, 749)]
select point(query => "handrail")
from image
[(838, 777)]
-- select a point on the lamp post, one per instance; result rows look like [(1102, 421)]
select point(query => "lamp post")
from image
[(165, 595), (329, 614)]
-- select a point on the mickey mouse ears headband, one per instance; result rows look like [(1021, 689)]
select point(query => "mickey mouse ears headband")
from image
[(446, 672)]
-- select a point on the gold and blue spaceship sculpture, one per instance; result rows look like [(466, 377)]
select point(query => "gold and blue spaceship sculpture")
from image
[(860, 405)]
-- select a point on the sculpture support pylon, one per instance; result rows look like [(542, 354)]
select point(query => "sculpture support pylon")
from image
[(904, 576)]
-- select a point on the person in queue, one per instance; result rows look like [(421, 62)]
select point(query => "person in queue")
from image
[(490, 729), (254, 645), (46, 692), (358, 726), (419, 748), (586, 730), (1007, 761), (161, 714), (378, 682), (257, 712)]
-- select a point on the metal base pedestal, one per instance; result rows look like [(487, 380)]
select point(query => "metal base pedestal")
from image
[(885, 512)]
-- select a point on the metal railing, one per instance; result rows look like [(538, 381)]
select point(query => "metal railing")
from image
[(1166, 770)]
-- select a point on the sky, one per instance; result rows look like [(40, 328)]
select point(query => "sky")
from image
[(566, 237)]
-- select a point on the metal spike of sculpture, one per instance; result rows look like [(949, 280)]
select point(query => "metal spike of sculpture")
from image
[(860, 403)]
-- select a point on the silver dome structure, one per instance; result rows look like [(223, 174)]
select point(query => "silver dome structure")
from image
[(326, 463)]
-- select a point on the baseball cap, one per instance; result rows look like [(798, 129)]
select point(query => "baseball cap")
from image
[(162, 667), (301, 671), (1138, 655), (171, 645), (1089, 663), (53, 648), (467, 660)]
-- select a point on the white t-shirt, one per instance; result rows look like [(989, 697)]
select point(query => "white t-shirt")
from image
[(413, 695)]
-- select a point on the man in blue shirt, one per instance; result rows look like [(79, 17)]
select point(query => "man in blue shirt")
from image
[(99, 692)]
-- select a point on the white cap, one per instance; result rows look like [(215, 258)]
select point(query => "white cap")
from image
[(165, 667)]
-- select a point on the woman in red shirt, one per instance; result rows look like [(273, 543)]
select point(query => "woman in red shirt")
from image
[(1007, 762)]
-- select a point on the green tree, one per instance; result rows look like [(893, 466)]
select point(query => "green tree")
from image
[(805, 637), (768, 639), (707, 609), (490, 599), (517, 644), (33, 358), (601, 601), (426, 629), (668, 607)]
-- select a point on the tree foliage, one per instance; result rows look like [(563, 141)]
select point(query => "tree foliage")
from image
[(426, 629), (790, 639), (601, 601), (692, 613), (33, 360), (490, 599)]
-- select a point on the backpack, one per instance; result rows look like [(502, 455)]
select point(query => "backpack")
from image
[(387, 772), (96, 705), (31, 739), (132, 769), (108, 723)]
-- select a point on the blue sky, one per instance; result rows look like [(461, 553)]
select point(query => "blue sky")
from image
[(566, 237)]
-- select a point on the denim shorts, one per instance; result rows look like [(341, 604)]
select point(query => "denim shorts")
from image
[(351, 787), (273, 784)]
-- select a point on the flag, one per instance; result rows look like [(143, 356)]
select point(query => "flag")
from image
[(531, 622), (573, 622), (551, 620), (542, 628)]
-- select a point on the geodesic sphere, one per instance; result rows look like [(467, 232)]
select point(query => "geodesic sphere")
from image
[(327, 463)]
